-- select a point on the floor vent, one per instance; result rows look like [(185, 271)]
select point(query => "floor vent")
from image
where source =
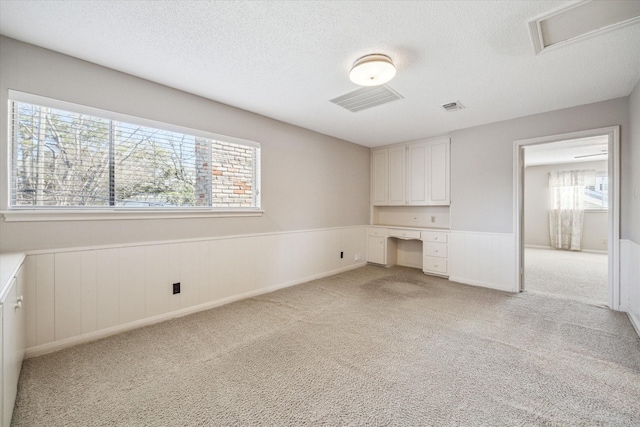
[(366, 97), (453, 106)]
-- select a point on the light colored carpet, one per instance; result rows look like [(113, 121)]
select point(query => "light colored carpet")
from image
[(568, 274), (372, 346)]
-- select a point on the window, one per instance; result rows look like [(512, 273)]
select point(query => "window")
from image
[(66, 156), (596, 196)]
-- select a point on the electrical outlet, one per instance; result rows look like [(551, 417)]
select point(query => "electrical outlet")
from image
[(358, 256), (176, 288), (604, 241)]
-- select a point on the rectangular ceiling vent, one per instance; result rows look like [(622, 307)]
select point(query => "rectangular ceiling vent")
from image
[(580, 21), (453, 106), (366, 97)]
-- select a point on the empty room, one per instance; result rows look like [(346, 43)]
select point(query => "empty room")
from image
[(283, 213)]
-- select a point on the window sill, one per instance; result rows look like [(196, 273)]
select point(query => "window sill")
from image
[(596, 210), (30, 215)]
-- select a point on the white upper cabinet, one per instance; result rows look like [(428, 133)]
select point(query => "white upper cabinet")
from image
[(439, 168), (397, 175), (418, 174), (414, 174), (380, 177)]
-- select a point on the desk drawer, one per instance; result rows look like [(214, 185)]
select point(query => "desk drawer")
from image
[(374, 231), (404, 234), (435, 249), (435, 265), (434, 236)]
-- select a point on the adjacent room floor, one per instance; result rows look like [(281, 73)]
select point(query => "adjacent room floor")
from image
[(372, 346), (581, 276)]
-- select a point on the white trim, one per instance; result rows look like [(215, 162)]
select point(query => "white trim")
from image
[(488, 233), (479, 283), (103, 333), (538, 247), (589, 251), (174, 241), (535, 29), (31, 215), (635, 322), (613, 133)]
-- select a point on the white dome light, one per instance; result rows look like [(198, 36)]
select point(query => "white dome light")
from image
[(372, 70)]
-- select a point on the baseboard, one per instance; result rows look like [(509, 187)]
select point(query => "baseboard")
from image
[(479, 283), (635, 321), (589, 251), (103, 333)]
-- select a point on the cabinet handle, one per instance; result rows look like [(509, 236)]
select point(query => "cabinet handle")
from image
[(18, 305), (435, 238), (20, 298), (435, 250), (435, 265)]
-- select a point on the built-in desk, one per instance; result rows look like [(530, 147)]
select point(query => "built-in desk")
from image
[(382, 247)]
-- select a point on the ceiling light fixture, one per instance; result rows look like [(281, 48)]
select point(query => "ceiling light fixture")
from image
[(372, 70)]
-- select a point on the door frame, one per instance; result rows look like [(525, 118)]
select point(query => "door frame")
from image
[(613, 220)]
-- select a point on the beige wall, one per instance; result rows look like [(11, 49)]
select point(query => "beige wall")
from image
[(482, 162), (632, 190), (536, 205), (309, 180)]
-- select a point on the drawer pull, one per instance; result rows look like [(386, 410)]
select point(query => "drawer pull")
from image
[(435, 265), (435, 250), (435, 238)]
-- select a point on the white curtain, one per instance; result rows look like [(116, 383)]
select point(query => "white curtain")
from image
[(566, 207)]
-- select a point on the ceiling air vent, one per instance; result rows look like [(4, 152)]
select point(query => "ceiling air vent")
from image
[(453, 106), (366, 97)]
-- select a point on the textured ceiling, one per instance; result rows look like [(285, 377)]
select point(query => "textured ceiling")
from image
[(286, 59), (572, 151)]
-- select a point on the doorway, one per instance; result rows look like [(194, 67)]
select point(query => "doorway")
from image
[(567, 221)]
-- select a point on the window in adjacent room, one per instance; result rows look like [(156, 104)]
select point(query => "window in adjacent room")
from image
[(596, 196), (75, 157)]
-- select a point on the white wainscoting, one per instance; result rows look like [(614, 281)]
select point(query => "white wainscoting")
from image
[(88, 293), (630, 281), (483, 259)]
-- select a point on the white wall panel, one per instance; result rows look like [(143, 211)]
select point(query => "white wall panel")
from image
[(131, 284), (107, 287), (630, 280), (83, 294), (158, 283), (45, 299), (30, 300), (482, 259), (193, 271), (68, 295), (89, 291), (209, 290)]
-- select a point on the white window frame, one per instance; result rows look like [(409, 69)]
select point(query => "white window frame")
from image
[(31, 213)]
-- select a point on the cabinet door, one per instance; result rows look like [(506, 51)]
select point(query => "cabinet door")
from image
[(12, 344), (438, 180), (377, 249), (380, 177), (397, 175), (417, 174)]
